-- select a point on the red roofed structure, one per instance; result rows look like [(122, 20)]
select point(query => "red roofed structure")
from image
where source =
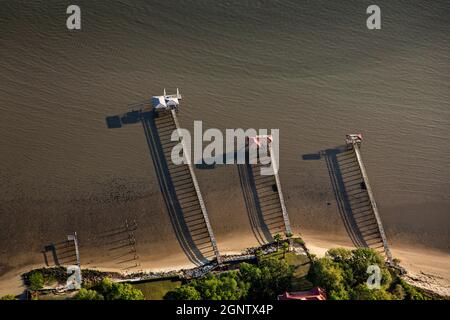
[(313, 294)]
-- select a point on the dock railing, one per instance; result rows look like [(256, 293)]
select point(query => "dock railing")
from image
[(198, 192), (365, 177)]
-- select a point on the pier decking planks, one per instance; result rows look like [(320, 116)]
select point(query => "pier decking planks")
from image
[(187, 190), (361, 200), (269, 200)]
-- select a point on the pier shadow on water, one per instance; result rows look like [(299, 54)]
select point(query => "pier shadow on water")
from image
[(165, 182), (335, 171), (252, 204), (120, 245), (58, 254)]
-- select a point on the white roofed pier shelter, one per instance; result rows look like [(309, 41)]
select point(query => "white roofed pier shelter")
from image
[(166, 101)]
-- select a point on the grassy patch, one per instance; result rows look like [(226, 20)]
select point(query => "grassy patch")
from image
[(156, 290), (301, 265)]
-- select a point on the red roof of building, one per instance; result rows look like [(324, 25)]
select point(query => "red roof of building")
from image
[(316, 293)]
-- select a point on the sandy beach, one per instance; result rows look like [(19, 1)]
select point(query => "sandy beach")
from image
[(426, 268)]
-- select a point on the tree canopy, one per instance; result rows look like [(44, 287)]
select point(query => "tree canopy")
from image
[(119, 291), (109, 290), (36, 280), (87, 294), (344, 275), (263, 281)]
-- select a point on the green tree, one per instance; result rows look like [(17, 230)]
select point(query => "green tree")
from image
[(412, 293), (36, 280), (362, 292), (277, 239), (285, 249), (259, 254), (266, 281), (339, 254), (8, 297), (119, 291), (225, 286), (85, 294), (328, 274), (185, 292), (399, 292), (343, 273), (360, 260)]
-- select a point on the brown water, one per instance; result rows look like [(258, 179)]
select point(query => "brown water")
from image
[(311, 69)]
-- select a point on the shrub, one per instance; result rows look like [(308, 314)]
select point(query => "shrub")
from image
[(185, 292), (118, 291), (278, 237), (8, 297), (264, 281), (399, 292), (327, 273), (225, 286), (362, 292), (343, 273), (85, 294), (412, 293), (270, 278), (36, 280)]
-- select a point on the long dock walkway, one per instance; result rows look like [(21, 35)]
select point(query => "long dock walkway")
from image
[(182, 192), (361, 200), (266, 203)]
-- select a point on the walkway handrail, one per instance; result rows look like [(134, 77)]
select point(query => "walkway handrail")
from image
[(287, 223), (372, 202)]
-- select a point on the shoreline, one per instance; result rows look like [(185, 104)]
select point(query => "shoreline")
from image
[(426, 268)]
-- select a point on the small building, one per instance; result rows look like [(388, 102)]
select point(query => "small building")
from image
[(353, 138), (166, 101), (316, 293)]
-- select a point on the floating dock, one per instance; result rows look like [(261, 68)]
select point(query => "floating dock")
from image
[(361, 199)]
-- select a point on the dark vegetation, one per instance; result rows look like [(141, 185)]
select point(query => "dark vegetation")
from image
[(262, 281), (343, 274), (109, 290), (38, 278)]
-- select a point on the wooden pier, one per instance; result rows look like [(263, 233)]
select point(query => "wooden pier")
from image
[(268, 200), (181, 191), (287, 223), (360, 198), (74, 238), (198, 194)]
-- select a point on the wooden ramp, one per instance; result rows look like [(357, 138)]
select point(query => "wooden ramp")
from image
[(360, 198), (182, 193)]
